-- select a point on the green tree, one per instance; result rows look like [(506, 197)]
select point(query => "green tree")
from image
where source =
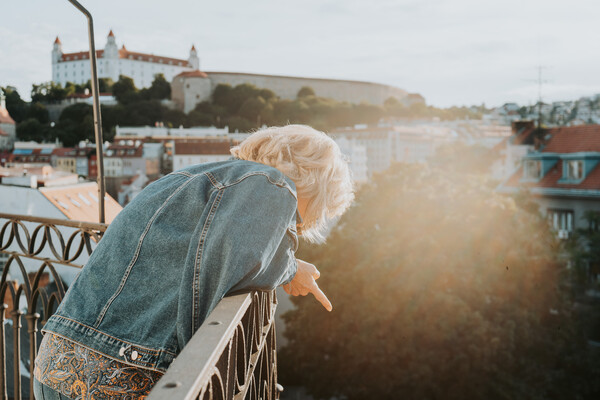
[(37, 111), (31, 129), (48, 92), (305, 91), (105, 85), (442, 289), (17, 107), (160, 89), (125, 91)]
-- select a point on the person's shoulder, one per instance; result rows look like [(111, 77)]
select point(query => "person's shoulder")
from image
[(236, 171)]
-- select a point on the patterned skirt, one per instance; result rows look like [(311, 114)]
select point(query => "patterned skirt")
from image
[(80, 373)]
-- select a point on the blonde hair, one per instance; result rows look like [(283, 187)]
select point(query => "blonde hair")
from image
[(313, 161)]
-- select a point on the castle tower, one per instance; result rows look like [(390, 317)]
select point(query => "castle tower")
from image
[(194, 60), (111, 50), (56, 51), (109, 66)]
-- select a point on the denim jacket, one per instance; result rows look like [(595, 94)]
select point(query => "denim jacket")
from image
[(174, 252)]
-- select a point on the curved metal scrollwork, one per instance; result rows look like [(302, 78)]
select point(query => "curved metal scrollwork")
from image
[(31, 249), (241, 363)]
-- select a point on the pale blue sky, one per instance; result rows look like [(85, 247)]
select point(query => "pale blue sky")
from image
[(453, 52)]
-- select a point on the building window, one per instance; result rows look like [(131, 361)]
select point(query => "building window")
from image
[(574, 170), (560, 220), (533, 169)]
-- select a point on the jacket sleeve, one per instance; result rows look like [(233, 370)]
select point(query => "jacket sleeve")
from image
[(247, 242)]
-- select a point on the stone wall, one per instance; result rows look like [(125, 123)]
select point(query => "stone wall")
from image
[(187, 91)]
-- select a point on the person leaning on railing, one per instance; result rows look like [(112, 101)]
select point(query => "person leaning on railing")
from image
[(186, 241)]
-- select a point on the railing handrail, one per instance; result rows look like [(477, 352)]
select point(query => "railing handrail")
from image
[(54, 221), (192, 368)]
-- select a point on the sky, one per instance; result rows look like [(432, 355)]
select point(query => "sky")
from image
[(452, 52)]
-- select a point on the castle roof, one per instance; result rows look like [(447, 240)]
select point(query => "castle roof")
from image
[(124, 54), (111, 34), (193, 74), (57, 40)]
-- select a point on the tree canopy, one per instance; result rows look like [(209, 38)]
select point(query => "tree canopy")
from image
[(442, 289)]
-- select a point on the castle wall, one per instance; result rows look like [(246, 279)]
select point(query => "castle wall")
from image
[(287, 87)]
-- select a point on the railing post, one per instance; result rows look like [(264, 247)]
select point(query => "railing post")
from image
[(97, 115)]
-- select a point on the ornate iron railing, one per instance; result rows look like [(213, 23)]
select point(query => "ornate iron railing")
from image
[(231, 356), (33, 251)]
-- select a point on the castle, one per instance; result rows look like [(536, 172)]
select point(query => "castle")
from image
[(190, 85), (112, 62)]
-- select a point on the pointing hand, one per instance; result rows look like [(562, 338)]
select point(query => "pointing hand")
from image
[(305, 282)]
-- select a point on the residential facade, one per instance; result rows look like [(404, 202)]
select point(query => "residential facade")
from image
[(563, 173)]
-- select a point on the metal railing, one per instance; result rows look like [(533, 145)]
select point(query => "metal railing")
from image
[(33, 251), (231, 356)]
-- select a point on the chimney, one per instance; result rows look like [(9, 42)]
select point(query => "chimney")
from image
[(521, 126)]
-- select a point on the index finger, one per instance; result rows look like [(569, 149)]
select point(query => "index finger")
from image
[(320, 296)]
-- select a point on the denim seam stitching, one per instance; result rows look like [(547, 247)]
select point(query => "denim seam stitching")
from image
[(106, 355), (199, 252), (276, 183), (137, 253), (148, 349), (183, 173), (213, 181)]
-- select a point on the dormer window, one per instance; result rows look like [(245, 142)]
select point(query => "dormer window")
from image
[(574, 170), (533, 169)]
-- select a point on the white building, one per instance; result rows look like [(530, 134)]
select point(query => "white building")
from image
[(198, 151), (162, 131), (357, 158), (112, 62)]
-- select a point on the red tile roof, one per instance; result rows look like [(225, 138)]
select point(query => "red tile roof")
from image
[(573, 139), (63, 151), (126, 151), (124, 53), (80, 55), (111, 34), (204, 147), (57, 40), (5, 117), (193, 74)]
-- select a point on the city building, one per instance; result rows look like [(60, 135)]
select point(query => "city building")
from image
[(112, 62), (563, 173), (8, 130), (510, 152), (191, 152), (357, 158), (386, 144), (136, 132)]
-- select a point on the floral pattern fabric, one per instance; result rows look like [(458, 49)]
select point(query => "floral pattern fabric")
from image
[(80, 373)]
